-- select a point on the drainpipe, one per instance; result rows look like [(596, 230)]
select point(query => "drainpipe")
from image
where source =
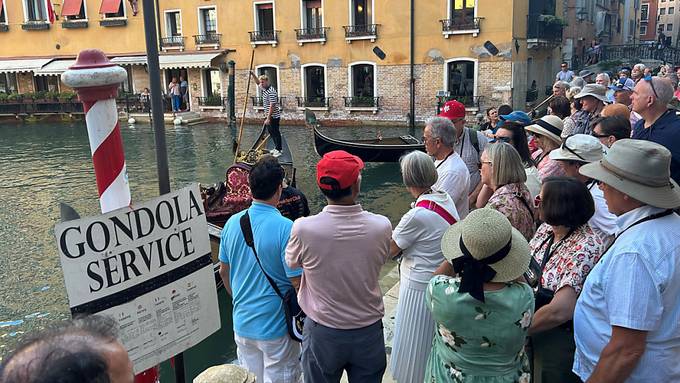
[(412, 81), (230, 96)]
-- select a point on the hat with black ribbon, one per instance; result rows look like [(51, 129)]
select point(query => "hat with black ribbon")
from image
[(484, 247)]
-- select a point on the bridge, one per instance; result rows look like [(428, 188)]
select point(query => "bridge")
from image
[(639, 52)]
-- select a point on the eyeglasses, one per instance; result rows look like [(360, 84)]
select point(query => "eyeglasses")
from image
[(599, 135), (537, 201), (648, 78), (570, 150), (483, 162), (507, 140)]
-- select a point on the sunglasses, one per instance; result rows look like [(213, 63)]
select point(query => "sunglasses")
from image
[(648, 78), (507, 140), (537, 201), (570, 150), (599, 135)]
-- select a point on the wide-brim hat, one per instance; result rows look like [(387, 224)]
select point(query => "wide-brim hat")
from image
[(579, 147), (549, 126), (594, 90), (640, 169), (484, 232), (226, 373)]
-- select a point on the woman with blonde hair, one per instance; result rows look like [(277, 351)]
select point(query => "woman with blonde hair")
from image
[(417, 238)]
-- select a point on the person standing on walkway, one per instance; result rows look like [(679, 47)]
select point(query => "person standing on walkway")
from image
[(263, 345), (175, 94), (453, 176), (341, 251), (184, 90), (272, 111), (417, 238), (565, 74), (626, 323)]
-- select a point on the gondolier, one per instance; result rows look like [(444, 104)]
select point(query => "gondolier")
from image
[(272, 110)]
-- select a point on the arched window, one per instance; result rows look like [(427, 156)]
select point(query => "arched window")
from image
[(314, 86), (461, 80)]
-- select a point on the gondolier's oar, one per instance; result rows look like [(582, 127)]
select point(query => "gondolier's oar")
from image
[(245, 104)]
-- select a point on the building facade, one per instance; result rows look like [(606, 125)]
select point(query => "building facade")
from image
[(668, 20), (648, 20), (346, 59)]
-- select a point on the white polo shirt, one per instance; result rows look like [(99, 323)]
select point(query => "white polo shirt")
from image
[(454, 178)]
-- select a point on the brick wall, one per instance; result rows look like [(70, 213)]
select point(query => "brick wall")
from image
[(25, 81)]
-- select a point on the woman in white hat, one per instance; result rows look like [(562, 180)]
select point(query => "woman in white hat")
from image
[(503, 172), (565, 249), (417, 237), (483, 313), (546, 132)]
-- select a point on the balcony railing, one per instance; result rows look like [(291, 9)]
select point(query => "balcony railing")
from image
[(20, 107), (74, 24), (258, 102), (359, 31), (173, 42), (264, 36), (313, 102), (311, 34), (362, 102), (113, 22), (543, 30), (208, 39), (640, 52), (4, 28), (212, 101), (460, 24), (37, 25)]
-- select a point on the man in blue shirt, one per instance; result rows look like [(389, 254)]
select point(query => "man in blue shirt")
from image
[(263, 344), (564, 74), (659, 124)]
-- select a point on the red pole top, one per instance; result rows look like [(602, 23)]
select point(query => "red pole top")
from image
[(91, 58), (93, 76)]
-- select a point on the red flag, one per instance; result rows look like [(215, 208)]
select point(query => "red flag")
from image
[(50, 12)]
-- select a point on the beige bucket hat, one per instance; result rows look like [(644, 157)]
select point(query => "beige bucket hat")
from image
[(484, 233), (225, 373), (594, 90), (549, 126), (640, 169), (579, 147)]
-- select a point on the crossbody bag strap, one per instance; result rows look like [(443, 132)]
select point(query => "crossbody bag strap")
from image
[(247, 231), (433, 206), (525, 203)]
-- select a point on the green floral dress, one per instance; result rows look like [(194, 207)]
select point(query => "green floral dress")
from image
[(478, 342)]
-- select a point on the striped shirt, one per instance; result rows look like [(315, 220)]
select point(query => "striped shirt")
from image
[(269, 96)]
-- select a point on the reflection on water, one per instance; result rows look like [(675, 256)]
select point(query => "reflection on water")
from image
[(44, 164)]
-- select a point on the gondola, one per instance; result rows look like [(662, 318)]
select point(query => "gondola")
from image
[(388, 149)]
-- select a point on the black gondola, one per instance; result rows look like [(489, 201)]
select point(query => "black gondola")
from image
[(388, 149)]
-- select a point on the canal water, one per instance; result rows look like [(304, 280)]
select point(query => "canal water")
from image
[(42, 164)]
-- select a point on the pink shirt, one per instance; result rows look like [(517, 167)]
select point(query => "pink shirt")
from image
[(341, 251)]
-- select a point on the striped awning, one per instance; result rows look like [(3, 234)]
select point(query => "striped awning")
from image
[(129, 60), (109, 6), (23, 65), (54, 68), (71, 7), (174, 61)]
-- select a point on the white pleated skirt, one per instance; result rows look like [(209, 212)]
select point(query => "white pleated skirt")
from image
[(414, 329)]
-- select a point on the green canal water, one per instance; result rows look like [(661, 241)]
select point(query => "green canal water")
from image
[(42, 164)]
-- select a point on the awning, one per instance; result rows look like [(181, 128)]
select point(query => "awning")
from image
[(54, 68), (199, 60), (129, 60), (109, 6), (25, 65), (71, 7)]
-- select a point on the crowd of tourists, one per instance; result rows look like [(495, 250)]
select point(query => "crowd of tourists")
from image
[(535, 250)]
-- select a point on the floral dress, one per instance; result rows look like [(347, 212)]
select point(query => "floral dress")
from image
[(547, 167), (514, 201), (478, 342)]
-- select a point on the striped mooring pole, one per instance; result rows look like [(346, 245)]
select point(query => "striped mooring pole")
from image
[(96, 81)]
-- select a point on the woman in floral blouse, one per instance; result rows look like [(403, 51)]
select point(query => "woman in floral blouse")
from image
[(503, 172), (567, 248), (547, 132), (483, 313)]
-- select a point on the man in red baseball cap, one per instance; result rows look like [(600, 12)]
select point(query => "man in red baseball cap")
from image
[(341, 251), (469, 144)]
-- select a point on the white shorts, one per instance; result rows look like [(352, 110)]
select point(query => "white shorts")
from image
[(272, 361)]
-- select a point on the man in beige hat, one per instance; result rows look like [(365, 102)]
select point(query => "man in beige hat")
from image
[(576, 151), (626, 323), (593, 98), (659, 123)]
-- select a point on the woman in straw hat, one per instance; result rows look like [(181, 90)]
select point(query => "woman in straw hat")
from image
[(546, 133), (503, 172), (566, 249), (483, 313), (417, 237)]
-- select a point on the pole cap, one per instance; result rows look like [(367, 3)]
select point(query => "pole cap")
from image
[(91, 58)]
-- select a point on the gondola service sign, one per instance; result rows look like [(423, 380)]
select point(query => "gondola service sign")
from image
[(149, 267)]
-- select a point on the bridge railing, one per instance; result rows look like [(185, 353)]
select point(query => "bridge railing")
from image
[(641, 52)]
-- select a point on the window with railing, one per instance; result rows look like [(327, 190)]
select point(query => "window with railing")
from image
[(361, 20), (207, 20), (272, 74), (264, 23), (314, 82), (173, 24), (461, 81), (72, 10), (312, 21), (362, 86), (462, 15)]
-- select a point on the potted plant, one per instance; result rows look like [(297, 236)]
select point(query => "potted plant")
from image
[(66, 96), (14, 97), (3, 97)]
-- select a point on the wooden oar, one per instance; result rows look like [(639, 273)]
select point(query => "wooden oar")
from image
[(245, 104)]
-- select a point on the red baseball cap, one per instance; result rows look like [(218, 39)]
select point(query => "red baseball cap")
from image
[(341, 167), (452, 109)]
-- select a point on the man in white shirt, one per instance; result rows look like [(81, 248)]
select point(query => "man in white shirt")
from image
[(576, 151), (626, 323), (453, 175), (564, 74)]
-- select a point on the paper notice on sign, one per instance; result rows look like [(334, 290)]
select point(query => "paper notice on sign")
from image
[(149, 267)]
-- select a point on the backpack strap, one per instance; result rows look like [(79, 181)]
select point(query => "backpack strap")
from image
[(474, 139), (247, 231), (433, 206)]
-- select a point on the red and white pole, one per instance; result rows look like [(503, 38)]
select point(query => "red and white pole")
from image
[(96, 81)]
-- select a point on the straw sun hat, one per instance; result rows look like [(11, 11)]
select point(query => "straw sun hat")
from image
[(485, 232), (640, 169), (549, 126), (225, 373)]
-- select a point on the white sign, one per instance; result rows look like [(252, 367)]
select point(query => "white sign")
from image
[(149, 267)]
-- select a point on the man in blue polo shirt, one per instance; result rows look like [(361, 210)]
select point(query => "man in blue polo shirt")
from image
[(659, 124), (263, 344)]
